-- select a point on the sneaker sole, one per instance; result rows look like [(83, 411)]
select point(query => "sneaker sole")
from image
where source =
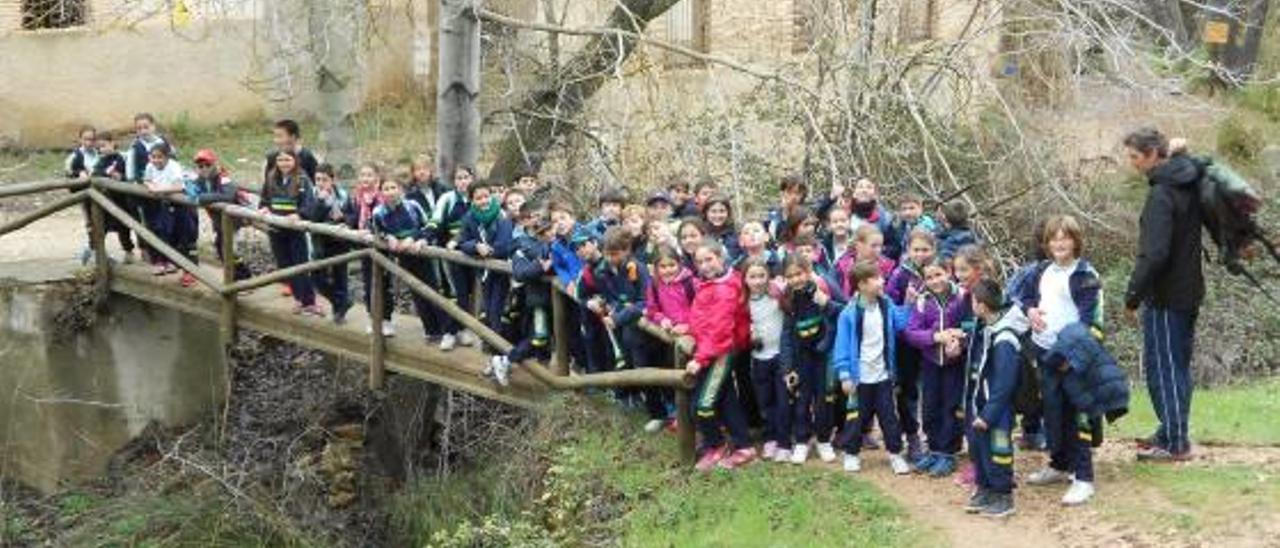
[(1001, 515)]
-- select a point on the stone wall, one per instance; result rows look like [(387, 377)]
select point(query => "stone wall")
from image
[(212, 70)]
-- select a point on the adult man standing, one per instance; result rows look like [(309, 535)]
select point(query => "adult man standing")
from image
[(1167, 281)]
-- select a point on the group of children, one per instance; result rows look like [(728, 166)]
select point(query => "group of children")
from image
[(813, 323)]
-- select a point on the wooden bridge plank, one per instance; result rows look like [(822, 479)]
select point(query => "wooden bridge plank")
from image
[(267, 312)]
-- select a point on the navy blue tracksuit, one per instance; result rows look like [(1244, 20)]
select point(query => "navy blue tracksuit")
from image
[(1067, 429), (331, 282), (497, 235), (427, 196), (288, 246), (404, 220), (992, 379), (1168, 337), (623, 289), (446, 227), (526, 266), (806, 342)]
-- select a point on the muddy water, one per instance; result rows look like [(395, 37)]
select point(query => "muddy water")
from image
[(68, 401)]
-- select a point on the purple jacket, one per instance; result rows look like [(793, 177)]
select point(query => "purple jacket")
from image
[(906, 275), (930, 315)]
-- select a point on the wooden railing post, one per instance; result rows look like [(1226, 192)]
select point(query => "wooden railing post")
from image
[(685, 433), (98, 241), (377, 303), (560, 332), (229, 303)]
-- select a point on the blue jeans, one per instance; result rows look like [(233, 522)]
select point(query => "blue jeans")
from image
[(1168, 338)]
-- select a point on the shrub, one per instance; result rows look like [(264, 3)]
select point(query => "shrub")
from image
[(1239, 142)]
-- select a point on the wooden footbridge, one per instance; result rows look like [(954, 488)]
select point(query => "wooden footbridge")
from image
[(235, 304)]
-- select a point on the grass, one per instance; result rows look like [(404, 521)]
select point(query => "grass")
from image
[(1238, 415), (1218, 501), (601, 481)]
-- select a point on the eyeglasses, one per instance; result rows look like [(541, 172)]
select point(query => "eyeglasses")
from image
[(203, 164)]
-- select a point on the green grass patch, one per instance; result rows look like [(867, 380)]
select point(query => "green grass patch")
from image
[(599, 480), (1242, 415), (1223, 500), (196, 518)]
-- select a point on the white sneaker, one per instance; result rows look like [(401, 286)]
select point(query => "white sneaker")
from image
[(653, 426), (770, 450), (826, 452), (851, 463), (782, 456), (388, 329), (1048, 476), (467, 338), (502, 372), (448, 342), (899, 465), (800, 453), (1079, 493)]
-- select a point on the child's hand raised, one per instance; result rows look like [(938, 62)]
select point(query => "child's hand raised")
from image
[(692, 367), (821, 298), (979, 425), (1037, 320)]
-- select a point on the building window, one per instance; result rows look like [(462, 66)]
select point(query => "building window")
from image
[(52, 14), (687, 26), (917, 21)]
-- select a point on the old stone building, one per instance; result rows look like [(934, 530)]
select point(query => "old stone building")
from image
[(72, 62)]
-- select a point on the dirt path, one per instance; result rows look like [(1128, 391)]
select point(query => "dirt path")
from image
[(1041, 521)]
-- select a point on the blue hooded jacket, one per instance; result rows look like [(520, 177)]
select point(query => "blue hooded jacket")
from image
[(1094, 383), (846, 357)]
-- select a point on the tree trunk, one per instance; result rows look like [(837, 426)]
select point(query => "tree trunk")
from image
[(1240, 55), (336, 27), (1168, 14), (457, 115), (562, 96)]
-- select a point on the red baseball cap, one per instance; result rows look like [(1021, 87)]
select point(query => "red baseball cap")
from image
[(206, 156)]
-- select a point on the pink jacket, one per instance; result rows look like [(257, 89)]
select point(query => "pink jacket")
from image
[(845, 265), (670, 301), (720, 320)]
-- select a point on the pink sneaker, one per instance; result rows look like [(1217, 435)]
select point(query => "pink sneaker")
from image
[(738, 458), (711, 458), (968, 477)]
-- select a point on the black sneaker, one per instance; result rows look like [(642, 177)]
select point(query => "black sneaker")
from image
[(978, 501), (1000, 505)]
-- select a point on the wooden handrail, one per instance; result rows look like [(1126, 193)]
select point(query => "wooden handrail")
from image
[(644, 376), (44, 211), (323, 229), (295, 270), (36, 187), (157, 243)]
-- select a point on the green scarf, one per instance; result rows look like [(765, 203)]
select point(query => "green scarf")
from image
[(489, 213)]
